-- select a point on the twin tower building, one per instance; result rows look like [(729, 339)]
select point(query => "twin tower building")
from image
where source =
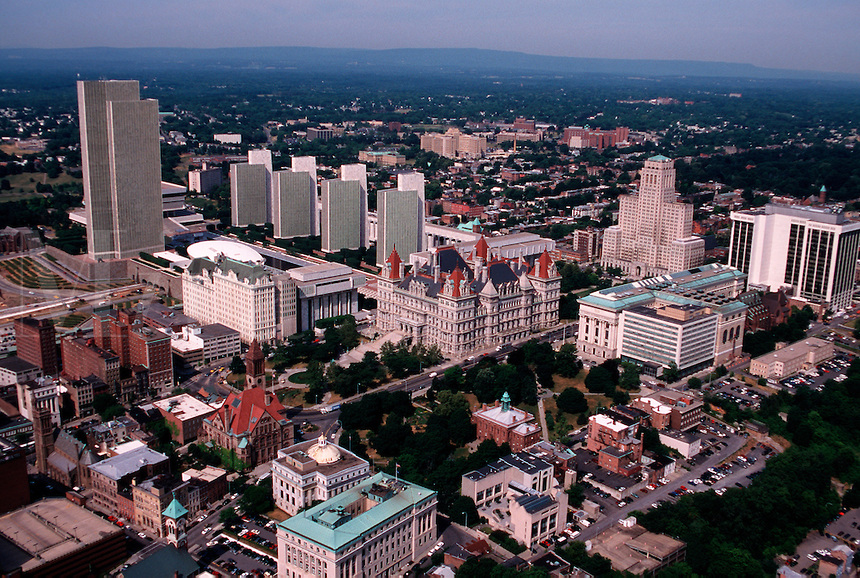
[(339, 215)]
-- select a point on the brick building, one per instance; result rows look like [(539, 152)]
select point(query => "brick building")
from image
[(505, 424), (613, 435), (83, 358), (670, 409), (36, 341), (252, 423), (185, 414)]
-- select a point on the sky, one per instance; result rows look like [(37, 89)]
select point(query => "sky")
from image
[(819, 35)]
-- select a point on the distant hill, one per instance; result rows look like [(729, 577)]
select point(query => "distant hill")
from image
[(417, 60)]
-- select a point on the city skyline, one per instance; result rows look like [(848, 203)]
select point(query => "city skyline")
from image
[(784, 34)]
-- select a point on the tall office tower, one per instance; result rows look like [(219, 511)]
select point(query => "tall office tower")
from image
[(342, 218), (654, 231), (250, 186), (358, 172), (122, 169), (309, 165), (294, 200), (400, 218), (812, 250)]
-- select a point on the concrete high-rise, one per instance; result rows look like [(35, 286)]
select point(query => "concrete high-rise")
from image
[(343, 222), (294, 200), (250, 189), (400, 218), (121, 169), (811, 251), (654, 231)]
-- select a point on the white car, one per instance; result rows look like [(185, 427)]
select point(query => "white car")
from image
[(141, 534)]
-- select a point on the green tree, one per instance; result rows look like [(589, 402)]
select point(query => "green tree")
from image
[(229, 517), (571, 400), (258, 499), (567, 363), (237, 366), (599, 380), (670, 374)]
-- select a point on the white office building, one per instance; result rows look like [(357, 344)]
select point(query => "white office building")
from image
[(810, 250), (690, 318), (343, 217)]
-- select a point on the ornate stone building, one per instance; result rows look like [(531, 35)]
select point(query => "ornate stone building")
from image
[(463, 301), (253, 423)]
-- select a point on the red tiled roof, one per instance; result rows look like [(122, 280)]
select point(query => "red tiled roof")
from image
[(242, 411)]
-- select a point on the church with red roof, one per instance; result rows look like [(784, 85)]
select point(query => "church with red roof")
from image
[(252, 423), (468, 297)]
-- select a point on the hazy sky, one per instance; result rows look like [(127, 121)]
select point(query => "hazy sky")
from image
[(795, 34)]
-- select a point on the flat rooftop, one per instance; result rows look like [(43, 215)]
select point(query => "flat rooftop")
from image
[(183, 406), (47, 530), (634, 549), (793, 351), (128, 463), (326, 525)]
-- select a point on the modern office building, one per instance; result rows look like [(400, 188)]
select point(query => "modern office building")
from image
[(36, 342), (506, 425), (811, 250), (121, 158), (654, 231), (343, 222), (578, 137), (199, 345), (314, 471), (249, 194), (519, 494), (467, 301), (792, 358), (400, 218), (690, 318), (14, 370), (294, 204), (376, 528)]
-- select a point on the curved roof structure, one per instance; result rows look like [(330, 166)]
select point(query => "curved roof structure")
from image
[(323, 452), (213, 249)]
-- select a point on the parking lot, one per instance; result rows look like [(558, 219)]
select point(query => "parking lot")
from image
[(816, 378), (743, 395), (253, 549), (843, 530)]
